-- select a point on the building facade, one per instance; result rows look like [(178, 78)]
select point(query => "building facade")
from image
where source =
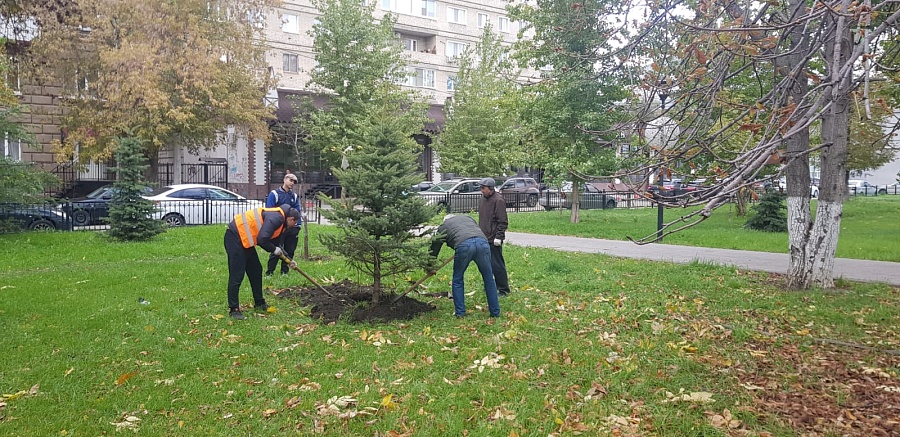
[(432, 33)]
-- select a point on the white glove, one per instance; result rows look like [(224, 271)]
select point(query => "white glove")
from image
[(293, 265), (497, 242), (277, 252)]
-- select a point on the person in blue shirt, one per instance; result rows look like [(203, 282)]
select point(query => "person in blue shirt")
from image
[(285, 195)]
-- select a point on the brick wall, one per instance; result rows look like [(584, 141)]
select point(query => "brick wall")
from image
[(42, 117)]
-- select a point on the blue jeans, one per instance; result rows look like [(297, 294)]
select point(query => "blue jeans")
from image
[(478, 250)]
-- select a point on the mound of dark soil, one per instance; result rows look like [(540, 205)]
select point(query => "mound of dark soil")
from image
[(353, 302)]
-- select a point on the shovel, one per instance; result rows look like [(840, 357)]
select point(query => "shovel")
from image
[(288, 260), (420, 281)]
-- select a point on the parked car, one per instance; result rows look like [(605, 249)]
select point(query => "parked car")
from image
[(455, 195), (33, 217), (93, 208), (422, 186), (864, 188), (196, 204), (519, 191), (591, 198)]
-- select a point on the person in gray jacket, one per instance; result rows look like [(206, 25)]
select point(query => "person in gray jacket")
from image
[(463, 235)]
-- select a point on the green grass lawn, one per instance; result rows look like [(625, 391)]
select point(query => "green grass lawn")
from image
[(587, 345), (869, 228)]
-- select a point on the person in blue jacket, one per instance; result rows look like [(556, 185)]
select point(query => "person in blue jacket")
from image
[(285, 195)]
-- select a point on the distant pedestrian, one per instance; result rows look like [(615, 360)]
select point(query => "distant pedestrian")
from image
[(493, 222), (285, 195), (462, 234), (256, 227)]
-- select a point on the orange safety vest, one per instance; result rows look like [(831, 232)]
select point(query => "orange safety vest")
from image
[(249, 223)]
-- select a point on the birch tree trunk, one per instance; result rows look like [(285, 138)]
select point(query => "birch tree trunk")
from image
[(816, 269)]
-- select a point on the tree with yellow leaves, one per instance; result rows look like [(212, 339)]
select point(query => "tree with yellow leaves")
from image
[(170, 73)]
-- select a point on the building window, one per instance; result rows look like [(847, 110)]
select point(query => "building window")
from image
[(451, 83), (410, 44), (428, 8), (291, 63), (456, 15), (13, 81), (386, 5), (455, 49), (421, 77), (483, 20), (503, 24), (290, 23), (12, 148)]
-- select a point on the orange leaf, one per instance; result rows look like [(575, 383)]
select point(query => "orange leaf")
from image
[(125, 377), (752, 127), (701, 57)]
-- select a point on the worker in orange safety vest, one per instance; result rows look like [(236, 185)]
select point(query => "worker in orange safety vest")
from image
[(252, 228)]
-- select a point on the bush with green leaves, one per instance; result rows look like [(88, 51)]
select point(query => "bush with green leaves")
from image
[(23, 183), (129, 212), (771, 214)]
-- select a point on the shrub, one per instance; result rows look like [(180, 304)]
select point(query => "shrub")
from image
[(129, 213), (770, 214)]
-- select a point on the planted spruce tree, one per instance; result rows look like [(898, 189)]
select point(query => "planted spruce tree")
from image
[(129, 213), (379, 213), (771, 214)]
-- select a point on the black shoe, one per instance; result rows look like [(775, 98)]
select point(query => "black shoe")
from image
[(269, 273), (235, 313), (262, 307), (504, 294)]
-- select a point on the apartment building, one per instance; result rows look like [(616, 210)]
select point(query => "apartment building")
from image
[(432, 33)]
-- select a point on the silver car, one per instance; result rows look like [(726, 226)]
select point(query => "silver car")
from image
[(859, 187), (591, 198), (454, 195)]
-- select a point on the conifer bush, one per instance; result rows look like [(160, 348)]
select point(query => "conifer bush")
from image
[(129, 213), (770, 213), (378, 217)]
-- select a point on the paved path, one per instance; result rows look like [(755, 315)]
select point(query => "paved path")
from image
[(852, 269)]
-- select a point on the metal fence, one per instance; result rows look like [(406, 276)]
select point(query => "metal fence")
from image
[(93, 214), (875, 190), (81, 215)]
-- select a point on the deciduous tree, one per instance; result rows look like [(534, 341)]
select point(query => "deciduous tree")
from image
[(808, 62), (481, 135), (169, 72), (569, 111)]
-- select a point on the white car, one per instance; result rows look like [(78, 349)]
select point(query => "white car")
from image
[(196, 204), (859, 187)]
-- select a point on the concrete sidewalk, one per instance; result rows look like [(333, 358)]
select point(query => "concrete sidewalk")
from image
[(852, 269)]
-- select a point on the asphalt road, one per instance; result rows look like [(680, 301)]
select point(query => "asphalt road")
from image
[(851, 269)]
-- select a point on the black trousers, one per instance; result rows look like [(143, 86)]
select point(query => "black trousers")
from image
[(242, 262), (289, 245), (498, 264)]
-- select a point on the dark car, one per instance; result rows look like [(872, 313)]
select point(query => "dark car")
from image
[(519, 191), (93, 208), (422, 186), (33, 218)]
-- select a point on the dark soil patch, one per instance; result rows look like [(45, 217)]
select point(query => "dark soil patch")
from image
[(353, 302)]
